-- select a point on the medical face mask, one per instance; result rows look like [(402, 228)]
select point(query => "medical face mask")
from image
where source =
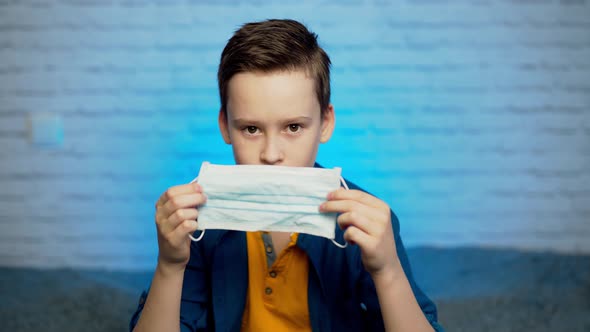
[(267, 198)]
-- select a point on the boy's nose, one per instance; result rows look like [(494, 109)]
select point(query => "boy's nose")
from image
[(271, 153)]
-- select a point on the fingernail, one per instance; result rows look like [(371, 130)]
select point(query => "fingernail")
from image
[(330, 195), (322, 207), (197, 187)]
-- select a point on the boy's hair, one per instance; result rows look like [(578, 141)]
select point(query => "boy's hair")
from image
[(275, 45)]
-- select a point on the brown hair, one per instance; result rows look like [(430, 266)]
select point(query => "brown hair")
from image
[(275, 45)]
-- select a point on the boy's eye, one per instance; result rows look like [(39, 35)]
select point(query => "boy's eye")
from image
[(252, 129), (294, 128)]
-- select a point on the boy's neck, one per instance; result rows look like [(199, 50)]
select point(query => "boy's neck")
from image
[(280, 241)]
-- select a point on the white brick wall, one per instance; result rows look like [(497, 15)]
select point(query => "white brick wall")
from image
[(470, 118)]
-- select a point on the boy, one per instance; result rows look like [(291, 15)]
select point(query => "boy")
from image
[(274, 83)]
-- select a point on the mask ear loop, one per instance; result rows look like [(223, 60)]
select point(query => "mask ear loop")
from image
[(202, 231), (334, 241)]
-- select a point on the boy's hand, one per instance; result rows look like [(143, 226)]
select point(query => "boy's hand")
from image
[(366, 221), (176, 217)]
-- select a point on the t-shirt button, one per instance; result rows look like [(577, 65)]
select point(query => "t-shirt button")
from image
[(269, 249), (273, 274), (268, 290)]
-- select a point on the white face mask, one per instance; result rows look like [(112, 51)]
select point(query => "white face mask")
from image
[(267, 198)]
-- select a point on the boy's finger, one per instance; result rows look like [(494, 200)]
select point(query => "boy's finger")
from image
[(358, 237), (340, 206), (356, 195), (344, 206), (181, 232), (352, 219), (178, 217), (183, 189), (183, 202)]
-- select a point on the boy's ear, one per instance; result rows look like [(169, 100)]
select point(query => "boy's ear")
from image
[(223, 126), (328, 123)]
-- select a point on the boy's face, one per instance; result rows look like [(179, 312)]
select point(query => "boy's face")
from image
[(275, 119)]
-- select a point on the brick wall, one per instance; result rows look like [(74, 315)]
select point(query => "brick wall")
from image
[(470, 118)]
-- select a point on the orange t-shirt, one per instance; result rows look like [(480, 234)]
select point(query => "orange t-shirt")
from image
[(277, 286)]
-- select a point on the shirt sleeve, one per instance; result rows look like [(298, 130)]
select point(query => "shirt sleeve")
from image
[(373, 320), (428, 307), (195, 298)]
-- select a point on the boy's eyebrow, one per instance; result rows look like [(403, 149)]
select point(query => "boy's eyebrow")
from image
[(298, 119), (243, 121), (239, 122)]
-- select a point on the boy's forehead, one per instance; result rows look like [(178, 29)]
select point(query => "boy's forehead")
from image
[(292, 91)]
